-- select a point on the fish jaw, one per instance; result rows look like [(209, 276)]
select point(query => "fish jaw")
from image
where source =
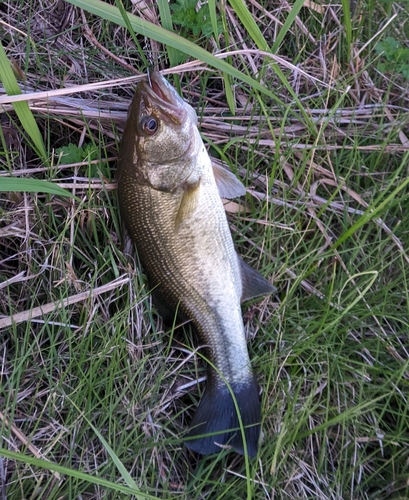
[(151, 100), (167, 92)]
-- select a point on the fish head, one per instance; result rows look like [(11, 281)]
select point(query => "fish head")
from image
[(164, 129)]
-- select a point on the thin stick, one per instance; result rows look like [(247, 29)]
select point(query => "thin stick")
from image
[(53, 306), (26, 442)]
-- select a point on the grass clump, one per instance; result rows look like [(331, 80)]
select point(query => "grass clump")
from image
[(95, 394)]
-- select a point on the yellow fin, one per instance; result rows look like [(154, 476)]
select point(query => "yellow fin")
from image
[(227, 183), (188, 203)]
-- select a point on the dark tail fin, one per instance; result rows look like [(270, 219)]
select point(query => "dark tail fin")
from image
[(216, 413)]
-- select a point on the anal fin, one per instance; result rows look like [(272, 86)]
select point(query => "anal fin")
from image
[(253, 283)]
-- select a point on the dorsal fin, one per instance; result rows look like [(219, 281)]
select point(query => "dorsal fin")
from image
[(227, 183), (254, 284)]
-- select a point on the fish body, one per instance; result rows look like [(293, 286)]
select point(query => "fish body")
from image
[(169, 196)]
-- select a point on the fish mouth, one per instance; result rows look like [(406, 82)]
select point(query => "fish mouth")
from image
[(157, 96), (159, 85), (158, 91)]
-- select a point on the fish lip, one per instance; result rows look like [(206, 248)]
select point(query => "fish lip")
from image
[(160, 86), (155, 93), (155, 87)]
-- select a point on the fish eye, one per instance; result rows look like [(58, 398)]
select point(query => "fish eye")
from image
[(150, 125)]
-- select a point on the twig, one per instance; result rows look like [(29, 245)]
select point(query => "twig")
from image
[(7, 321), (25, 441)]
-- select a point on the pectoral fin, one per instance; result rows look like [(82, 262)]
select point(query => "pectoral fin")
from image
[(227, 183), (188, 203), (254, 284)]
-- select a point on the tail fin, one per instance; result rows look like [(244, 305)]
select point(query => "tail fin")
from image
[(216, 412)]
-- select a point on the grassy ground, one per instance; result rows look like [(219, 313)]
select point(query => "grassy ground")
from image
[(92, 383)]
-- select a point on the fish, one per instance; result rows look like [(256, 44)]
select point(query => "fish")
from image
[(170, 198)]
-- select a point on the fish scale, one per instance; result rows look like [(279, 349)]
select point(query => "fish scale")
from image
[(169, 198), (208, 308)]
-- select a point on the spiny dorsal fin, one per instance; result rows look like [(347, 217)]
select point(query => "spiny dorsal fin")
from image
[(227, 183), (253, 283), (188, 203)]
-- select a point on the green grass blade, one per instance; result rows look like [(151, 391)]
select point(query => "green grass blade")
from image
[(371, 213), (166, 21), (124, 14), (254, 31), (21, 108), (287, 25), (355, 410), (150, 30), (14, 184), (229, 93), (250, 24), (347, 25), (226, 78), (44, 464), (213, 18), (120, 466)]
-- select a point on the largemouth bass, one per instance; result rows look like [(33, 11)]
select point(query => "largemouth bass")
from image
[(170, 201)]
